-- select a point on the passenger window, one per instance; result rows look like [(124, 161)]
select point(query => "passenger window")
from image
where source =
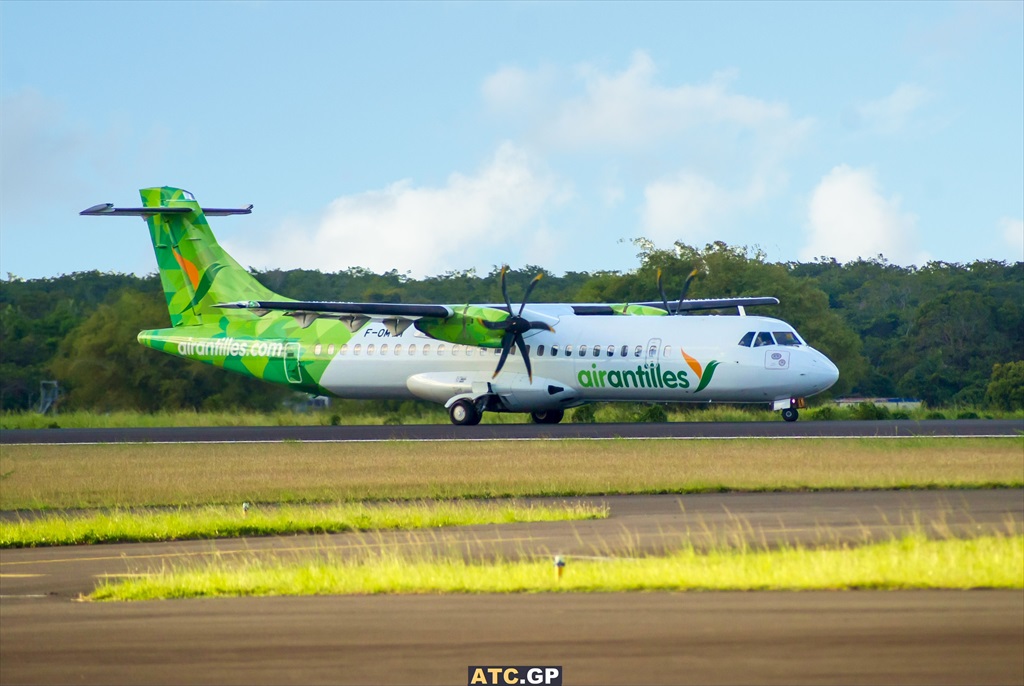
[(554, 350), (611, 351), (483, 352), (330, 349), (456, 349), (344, 349), (639, 351), (667, 351), (426, 348), (652, 351), (625, 350), (786, 338), (318, 348), (358, 348), (440, 348), (470, 350), (412, 348), (384, 349), (370, 349), (747, 339), (540, 350), (527, 350), (583, 351), (568, 350), (398, 348), (597, 351), (763, 338)]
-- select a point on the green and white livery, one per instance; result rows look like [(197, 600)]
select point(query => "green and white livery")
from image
[(472, 358)]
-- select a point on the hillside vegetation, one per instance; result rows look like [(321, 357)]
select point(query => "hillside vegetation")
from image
[(950, 334)]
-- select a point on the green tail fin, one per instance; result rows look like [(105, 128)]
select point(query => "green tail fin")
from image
[(195, 271)]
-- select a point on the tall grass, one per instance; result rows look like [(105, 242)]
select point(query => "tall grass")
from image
[(222, 522), (913, 561)]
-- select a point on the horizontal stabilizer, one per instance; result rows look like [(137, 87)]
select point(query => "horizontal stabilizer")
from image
[(107, 209)]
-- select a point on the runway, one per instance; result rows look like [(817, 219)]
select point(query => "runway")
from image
[(504, 432), (849, 637)]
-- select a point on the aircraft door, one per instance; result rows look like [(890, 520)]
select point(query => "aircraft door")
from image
[(292, 371)]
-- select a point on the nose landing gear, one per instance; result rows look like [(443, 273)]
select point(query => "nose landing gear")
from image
[(789, 407)]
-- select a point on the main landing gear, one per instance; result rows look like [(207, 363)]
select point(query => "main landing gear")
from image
[(547, 416), (464, 413), (790, 414)]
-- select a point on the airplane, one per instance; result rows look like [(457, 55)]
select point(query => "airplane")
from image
[(540, 359)]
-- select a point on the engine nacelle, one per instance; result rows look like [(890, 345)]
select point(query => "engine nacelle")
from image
[(515, 393)]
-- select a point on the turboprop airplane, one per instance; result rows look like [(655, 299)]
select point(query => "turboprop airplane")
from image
[(474, 358)]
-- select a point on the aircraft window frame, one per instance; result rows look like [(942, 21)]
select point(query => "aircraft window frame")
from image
[(398, 349), (583, 350), (383, 349), (357, 349), (456, 349), (343, 350), (470, 349), (318, 348), (540, 350), (667, 352), (747, 340), (652, 351), (611, 350), (568, 350), (625, 351), (786, 338), (426, 349), (554, 350), (371, 349), (483, 352), (441, 348), (330, 349), (412, 349), (759, 340), (638, 351)]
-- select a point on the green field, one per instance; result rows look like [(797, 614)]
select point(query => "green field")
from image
[(38, 477)]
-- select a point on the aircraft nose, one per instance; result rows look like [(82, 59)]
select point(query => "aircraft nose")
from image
[(819, 373)]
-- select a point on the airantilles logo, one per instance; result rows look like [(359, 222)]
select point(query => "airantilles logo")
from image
[(649, 375)]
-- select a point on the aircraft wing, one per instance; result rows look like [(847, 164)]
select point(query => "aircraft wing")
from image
[(677, 306)]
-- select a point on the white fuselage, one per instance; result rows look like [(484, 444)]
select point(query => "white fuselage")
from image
[(591, 358)]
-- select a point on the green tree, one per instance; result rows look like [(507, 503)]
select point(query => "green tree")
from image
[(1006, 386)]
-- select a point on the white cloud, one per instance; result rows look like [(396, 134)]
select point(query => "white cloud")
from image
[(499, 211), (890, 114), (1013, 233), (849, 217)]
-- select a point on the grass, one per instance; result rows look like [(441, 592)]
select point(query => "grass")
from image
[(352, 413), (913, 561), (224, 522), (42, 477)]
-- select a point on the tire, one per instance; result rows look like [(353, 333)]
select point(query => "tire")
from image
[(464, 413), (547, 416), (790, 414)]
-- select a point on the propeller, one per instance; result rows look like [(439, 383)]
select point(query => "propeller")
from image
[(682, 296), (515, 326)]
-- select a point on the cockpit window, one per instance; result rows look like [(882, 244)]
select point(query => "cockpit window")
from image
[(747, 339), (786, 338), (763, 338)]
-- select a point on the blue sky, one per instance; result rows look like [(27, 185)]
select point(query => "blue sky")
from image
[(435, 137)]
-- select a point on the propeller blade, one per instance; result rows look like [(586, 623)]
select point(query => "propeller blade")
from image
[(527, 294), (541, 326), (661, 289), (504, 288), (686, 287), (506, 345), (526, 356)]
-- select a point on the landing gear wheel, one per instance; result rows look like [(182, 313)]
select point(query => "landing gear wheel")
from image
[(464, 413), (790, 414), (547, 416)]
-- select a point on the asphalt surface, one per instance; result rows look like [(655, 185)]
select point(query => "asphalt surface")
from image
[(842, 637), (439, 432)]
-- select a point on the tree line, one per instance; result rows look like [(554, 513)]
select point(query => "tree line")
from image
[(947, 333)]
